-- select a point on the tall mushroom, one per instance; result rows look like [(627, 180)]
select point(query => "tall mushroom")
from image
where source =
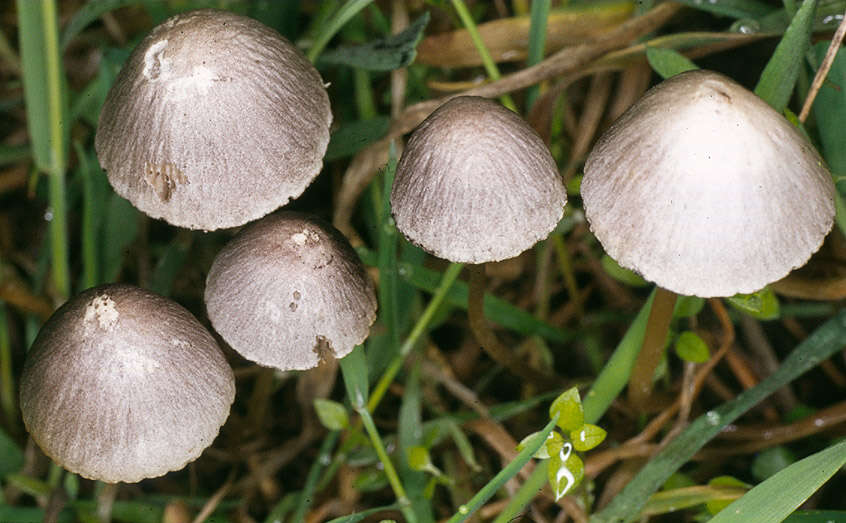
[(215, 120), (476, 184), (122, 384), (289, 291), (704, 189)]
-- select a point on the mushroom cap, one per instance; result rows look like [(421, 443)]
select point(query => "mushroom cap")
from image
[(704, 189), (122, 384), (289, 291), (215, 120), (476, 184)]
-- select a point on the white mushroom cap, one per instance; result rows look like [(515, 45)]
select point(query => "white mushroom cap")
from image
[(476, 184), (704, 189), (122, 384), (289, 291), (215, 120)]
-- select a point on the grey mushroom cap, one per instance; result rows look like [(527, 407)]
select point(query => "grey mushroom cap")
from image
[(122, 384), (215, 120), (289, 292), (704, 189), (476, 184)]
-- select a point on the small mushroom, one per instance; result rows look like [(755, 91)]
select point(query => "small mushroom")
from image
[(122, 384), (477, 184), (215, 120), (290, 292)]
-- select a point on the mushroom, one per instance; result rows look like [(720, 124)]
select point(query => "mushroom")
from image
[(704, 189), (122, 384), (215, 120), (290, 292), (476, 184)]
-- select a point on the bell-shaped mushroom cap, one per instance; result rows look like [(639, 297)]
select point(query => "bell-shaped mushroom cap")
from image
[(476, 184), (122, 384), (289, 292), (215, 120), (706, 190)]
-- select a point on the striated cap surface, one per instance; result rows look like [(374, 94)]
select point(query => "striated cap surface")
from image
[(704, 189), (122, 384), (215, 120), (289, 291), (476, 184)]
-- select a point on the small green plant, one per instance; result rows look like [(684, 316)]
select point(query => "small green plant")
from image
[(566, 470), (762, 304), (419, 459)]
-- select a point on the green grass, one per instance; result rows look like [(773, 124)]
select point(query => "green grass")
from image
[(420, 380)]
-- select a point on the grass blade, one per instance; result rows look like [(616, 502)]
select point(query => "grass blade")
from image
[(334, 24), (358, 516), (830, 111), (13, 153), (34, 62), (388, 256), (352, 137), (323, 457), (615, 374), (119, 231), (170, 264), (816, 516), (821, 344), (13, 458), (87, 14), (778, 496), (537, 42), (94, 190), (409, 434), (8, 399), (46, 119), (487, 61), (732, 8), (465, 511), (668, 501), (354, 369), (668, 62), (525, 494), (782, 71)]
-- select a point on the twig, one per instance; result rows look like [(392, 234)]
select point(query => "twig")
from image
[(822, 72), (758, 438), (766, 358), (399, 77), (215, 499), (594, 107), (456, 388)]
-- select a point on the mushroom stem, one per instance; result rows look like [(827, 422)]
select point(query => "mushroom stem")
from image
[(640, 383), (488, 340), (105, 501)]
